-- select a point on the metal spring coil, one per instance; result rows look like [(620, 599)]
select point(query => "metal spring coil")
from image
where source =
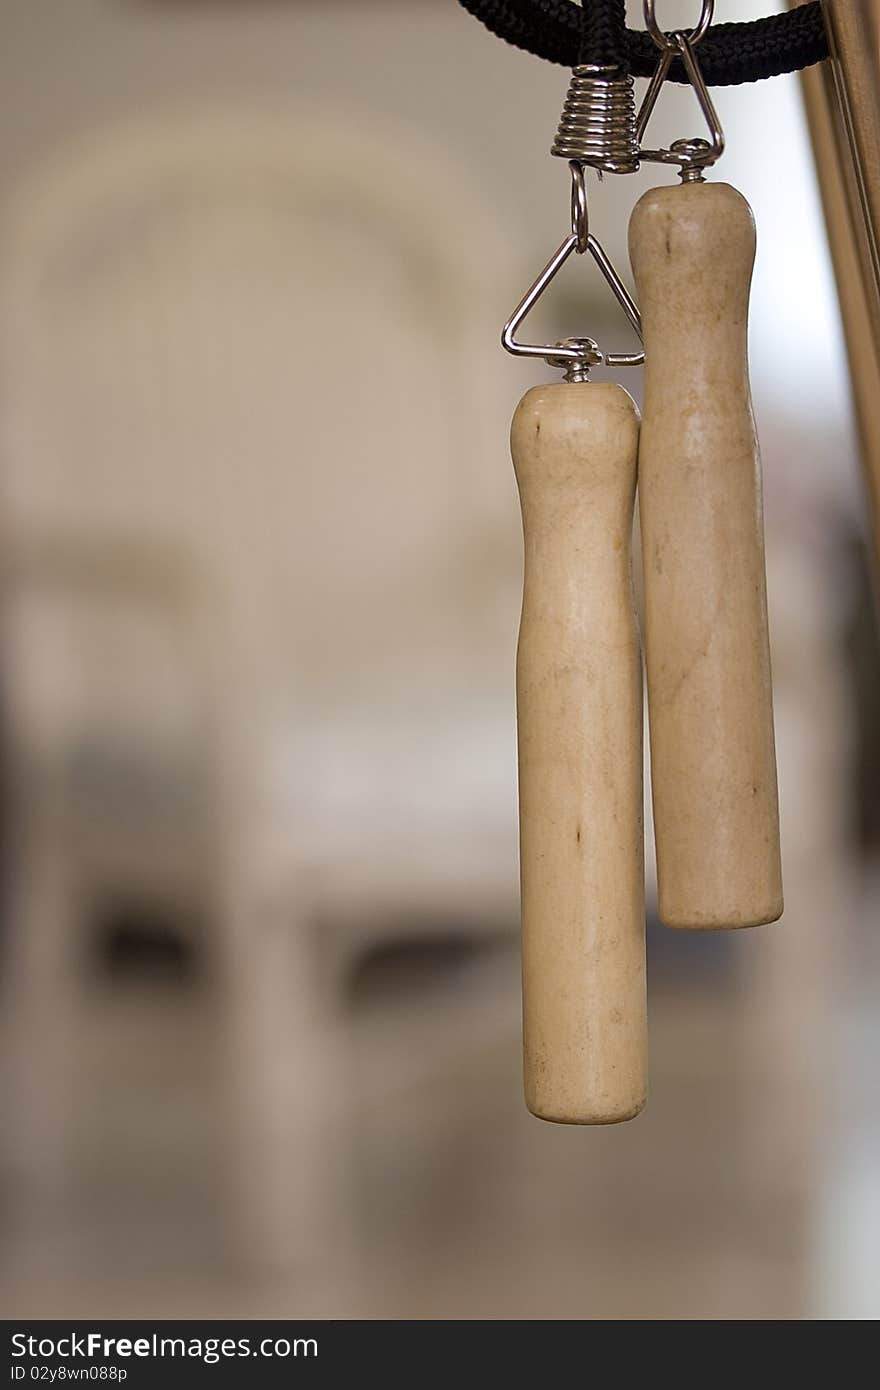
[(598, 121)]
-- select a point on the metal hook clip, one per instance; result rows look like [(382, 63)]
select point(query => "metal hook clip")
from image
[(691, 156), (662, 40), (575, 355)]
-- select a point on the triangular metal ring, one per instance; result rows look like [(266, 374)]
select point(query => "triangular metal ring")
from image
[(561, 352)]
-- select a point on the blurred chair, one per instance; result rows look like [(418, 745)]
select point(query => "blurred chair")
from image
[(260, 592)]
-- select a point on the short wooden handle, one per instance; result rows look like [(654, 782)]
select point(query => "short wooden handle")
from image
[(713, 761), (579, 703)]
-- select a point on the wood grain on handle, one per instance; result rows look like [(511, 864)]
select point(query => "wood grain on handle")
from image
[(713, 760), (579, 706)]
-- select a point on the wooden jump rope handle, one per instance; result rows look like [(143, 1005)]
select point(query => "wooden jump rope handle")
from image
[(579, 706), (706, 642)]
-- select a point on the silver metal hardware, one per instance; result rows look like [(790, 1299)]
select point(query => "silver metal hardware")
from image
[(693, 151), (580, 211), (575, 355), (707, 14), (598, 121), (577, 368), (696, 155)]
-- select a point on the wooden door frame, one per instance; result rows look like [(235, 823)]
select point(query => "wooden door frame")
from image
[(842, 98)]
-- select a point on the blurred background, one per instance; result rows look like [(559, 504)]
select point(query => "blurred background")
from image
[(260, 561)]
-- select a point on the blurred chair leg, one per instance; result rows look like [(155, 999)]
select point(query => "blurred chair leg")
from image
[(44, 985), (282, 1085), (794, 970)]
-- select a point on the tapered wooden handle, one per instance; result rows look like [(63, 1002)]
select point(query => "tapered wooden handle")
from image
[(579, 704), (713, 761)]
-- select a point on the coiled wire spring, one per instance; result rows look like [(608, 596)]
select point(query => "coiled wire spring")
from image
[(598, 121)]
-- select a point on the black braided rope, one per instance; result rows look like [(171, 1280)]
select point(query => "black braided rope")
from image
[(564, 33), (602, 37)]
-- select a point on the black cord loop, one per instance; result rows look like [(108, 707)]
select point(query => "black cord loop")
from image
[(565, 33), (603, 34)]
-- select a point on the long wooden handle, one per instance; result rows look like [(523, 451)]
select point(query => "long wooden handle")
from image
[(579, 704), (713, 760)]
